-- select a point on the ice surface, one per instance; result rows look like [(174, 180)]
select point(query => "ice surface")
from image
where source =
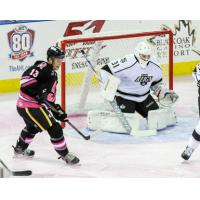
[(106, 154)]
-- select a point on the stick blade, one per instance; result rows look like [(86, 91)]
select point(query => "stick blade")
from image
[(87, 137), (22, 173)]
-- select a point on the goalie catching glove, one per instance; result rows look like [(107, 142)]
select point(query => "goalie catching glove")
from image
[(165, 96)]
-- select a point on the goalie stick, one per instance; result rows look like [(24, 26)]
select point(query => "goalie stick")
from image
[(16, 173), (67, 120)]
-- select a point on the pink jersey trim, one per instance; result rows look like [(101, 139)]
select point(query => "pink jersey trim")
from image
[(52, 96), (26, 101), (25, 104), (59, 144), (29, 83), (27, 96), (28, 140), (25, 77)]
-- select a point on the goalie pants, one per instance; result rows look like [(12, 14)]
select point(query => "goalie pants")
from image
[(128, 106), (38, 120)]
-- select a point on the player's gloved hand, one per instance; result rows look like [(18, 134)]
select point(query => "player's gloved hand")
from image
[(165, 96), (171, 96), (60, 114)]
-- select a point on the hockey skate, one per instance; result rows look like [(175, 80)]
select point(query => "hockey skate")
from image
[(19, 152), (71, 159), (187, 153)]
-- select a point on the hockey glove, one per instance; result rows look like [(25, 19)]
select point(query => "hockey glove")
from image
[(59, 114), (165, 96), (171, 96)]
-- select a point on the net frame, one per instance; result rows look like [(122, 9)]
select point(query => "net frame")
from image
[(65, 41)]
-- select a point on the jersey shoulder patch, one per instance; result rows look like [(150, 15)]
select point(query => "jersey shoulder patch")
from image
[(122, 63)]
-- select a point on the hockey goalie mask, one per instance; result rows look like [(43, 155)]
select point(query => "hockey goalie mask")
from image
[(143, 53)]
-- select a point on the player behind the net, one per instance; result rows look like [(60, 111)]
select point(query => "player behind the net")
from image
[(194, 140), (37, 85), (130, 80)]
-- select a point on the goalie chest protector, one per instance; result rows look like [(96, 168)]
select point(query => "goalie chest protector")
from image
[(135, 81)]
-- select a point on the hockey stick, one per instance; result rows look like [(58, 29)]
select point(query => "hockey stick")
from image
[(84, 136), (113, 103), (67, 120), (16, 173)]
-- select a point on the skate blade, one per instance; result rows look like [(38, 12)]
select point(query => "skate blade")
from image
[(20, 156), (74, 165)]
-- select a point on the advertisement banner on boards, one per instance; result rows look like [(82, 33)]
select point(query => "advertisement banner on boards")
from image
[(22, 44)]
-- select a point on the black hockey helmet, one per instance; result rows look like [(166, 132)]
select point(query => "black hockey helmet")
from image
[(55, 52)]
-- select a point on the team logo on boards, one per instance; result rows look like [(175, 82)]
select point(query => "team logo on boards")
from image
[(184, 40), (83, 27), (79, 28), (21, 41), (93, 49), (143, 79)]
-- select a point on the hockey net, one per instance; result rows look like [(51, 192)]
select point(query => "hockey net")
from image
[(80, 90)]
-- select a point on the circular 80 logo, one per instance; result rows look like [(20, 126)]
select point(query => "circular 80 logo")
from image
[(21, 41)]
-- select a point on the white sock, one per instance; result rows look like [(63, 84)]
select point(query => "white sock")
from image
[(193, 143)]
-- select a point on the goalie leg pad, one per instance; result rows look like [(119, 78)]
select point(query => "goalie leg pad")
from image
[(109, 122), (161, 118)]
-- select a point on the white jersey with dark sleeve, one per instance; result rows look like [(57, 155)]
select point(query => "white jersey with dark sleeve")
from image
[(136, 81)]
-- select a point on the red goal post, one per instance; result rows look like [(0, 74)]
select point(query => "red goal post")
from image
[(68, 42)]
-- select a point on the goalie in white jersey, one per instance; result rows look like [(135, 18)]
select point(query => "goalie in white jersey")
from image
[(138, 74)]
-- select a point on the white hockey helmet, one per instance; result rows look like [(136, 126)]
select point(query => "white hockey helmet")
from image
[(143, 53)]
